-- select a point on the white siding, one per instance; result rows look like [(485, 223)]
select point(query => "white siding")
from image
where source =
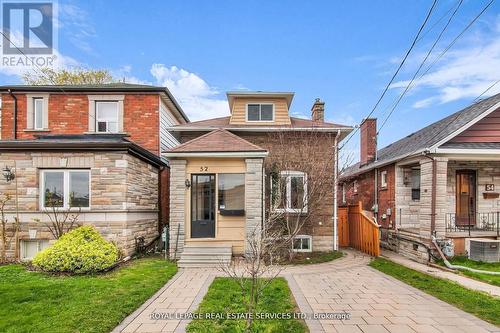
[(167, 140)]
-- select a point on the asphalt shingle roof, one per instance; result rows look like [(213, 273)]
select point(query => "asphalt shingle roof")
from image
[(427, 136)]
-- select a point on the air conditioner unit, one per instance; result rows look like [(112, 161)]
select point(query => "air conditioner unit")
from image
[(486, 250)]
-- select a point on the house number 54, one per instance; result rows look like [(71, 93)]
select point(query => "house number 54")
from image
[(203, 168)]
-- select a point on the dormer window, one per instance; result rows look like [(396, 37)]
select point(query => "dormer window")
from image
[(260, 112)]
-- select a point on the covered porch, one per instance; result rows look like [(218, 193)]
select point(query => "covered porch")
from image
[(449, 196)]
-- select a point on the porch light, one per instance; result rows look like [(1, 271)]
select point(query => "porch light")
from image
[(187, 183), (8, 174)]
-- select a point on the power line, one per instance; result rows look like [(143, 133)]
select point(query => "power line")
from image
[(421, 65), (484, 92), (398, 69)]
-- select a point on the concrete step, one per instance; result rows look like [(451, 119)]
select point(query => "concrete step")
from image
[(205, 256)]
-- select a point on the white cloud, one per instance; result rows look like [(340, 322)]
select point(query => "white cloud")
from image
[(76, 24), (198, 99), (465, 72)]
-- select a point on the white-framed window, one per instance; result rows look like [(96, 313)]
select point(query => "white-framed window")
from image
[(29, 248), (355, 186), (106, 116), (260, 112), (290, 192), (65, 188), (302, 243), (343, 193), (38, 112), (415, 184), (383, 179)]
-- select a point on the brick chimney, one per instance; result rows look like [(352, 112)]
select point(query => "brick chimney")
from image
[(318, 111), (368, 138)]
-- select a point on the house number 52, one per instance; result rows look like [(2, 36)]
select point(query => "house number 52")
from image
[(203, 168)]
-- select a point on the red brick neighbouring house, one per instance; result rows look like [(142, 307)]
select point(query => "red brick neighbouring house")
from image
[(98, 143), (441, 181)]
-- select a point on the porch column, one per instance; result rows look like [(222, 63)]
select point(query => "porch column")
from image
[(426, 186), (253, 199), (177, 207)]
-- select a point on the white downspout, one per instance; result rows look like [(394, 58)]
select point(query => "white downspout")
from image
[(335, 186)]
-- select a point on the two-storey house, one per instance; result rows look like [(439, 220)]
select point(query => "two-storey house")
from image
[(221, 176), (92, 150)]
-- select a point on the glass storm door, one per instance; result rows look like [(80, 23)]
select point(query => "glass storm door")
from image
[(203, 206), (466, 198)]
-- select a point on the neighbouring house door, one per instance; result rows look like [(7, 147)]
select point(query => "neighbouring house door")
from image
[(466, 198), (203, 206)]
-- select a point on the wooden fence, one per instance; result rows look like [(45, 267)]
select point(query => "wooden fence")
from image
[(358, 230)]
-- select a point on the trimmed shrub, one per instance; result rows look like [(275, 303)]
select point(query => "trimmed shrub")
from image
[(82, 250)]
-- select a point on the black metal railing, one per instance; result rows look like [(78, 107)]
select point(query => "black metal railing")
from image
[(475, 222)]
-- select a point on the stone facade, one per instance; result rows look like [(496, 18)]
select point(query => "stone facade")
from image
[(123, 194), (253, 199), (177, 233)]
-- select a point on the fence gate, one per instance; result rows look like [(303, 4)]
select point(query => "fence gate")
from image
[(358, 230)]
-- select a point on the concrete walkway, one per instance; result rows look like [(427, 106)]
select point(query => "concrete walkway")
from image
[(375, 301), (460, 279)]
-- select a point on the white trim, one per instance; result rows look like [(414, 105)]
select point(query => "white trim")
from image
[(467, 151), (383, 179), (260, 112), (30, 112), (22, 246), (92, 110), (34, 100), (216, 154), (288, 188), (109, 120), (66, 181), (308, 237), (466, 126)]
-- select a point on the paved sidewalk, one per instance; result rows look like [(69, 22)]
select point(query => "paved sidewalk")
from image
[(375, 301), (460, 279)]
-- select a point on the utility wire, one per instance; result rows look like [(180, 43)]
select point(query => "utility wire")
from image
[(398, 69), (420, 67), (484, 92)]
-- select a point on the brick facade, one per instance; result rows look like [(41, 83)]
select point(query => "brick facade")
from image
[(322, 227), (69, 114)]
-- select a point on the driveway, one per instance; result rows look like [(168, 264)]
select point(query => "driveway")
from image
[(375, 301)]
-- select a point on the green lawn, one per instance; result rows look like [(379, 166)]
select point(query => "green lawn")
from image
[(224, 296), (485, 266), (304, 258), (479, 304), (37, 302)]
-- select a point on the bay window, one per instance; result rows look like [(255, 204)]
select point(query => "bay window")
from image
[(65, 189)]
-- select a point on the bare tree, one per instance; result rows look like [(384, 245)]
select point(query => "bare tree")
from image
[(299, 181), (60, 220), (6, 241)]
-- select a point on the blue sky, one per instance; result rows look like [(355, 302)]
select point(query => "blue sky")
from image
[(341, 51)]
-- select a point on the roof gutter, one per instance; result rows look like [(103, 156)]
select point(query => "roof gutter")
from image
[(15, 113), (216, 154)]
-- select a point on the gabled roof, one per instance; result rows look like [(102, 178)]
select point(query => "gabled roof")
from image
[(224, 122), (96, 88), (428, 137), (217, 141)]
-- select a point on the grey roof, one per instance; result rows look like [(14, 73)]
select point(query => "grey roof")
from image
[(82, 142), (426, 137), (105, 87)]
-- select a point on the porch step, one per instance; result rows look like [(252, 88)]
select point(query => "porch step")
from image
[(205, 256)]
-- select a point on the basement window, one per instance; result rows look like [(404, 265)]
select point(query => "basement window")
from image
[(260, 112), (29, 248), (302, 243)]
